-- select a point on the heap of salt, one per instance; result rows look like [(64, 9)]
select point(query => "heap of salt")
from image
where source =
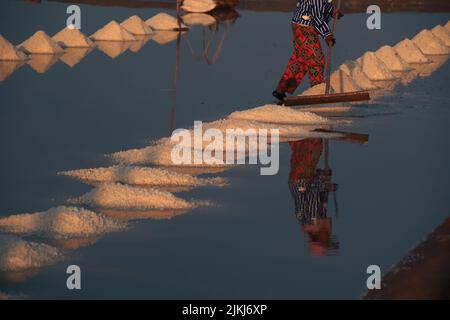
[(353, 70), (9, 52), (163, 21), (113, 32), (443, 35), (374, 68), (40, 43), (392, 59), (198, 5), (341, 82), (72, 38), (409, 52), (428, 43), (136, 26)]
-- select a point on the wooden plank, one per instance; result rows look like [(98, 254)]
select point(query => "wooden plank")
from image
[(326, 98), (347, 136)]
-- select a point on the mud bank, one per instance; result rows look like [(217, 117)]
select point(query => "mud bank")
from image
[(423, 273)]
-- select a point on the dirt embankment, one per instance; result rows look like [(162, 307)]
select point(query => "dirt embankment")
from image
[(423, 273), (349, 6)]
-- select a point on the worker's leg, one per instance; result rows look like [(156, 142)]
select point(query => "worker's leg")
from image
[(296, 67), (313, 55)]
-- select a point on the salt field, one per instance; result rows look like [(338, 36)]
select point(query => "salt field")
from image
[(87, 172)]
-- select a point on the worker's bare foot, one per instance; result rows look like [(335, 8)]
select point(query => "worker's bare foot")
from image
[(279, 95)]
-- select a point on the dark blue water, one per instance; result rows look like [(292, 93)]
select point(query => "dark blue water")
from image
[(392, 191)]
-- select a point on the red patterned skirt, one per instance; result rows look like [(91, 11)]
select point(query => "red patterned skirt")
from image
[(307, 58)]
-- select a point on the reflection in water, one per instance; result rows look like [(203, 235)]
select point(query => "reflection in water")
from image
[(113, 49), (8, 67), (41, 63), (73, 56), (310, 187)]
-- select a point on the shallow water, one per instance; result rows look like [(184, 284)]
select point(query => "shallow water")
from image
[(392, 191)]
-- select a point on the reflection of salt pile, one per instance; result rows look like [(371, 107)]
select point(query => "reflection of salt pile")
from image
[(164, 37), (72, 38), (278, 114), (353, 70), (17, 254), (6, 296), (374, 68), (59, 222), (72, 56), (40, 43), (141, 176), (157, 214), (118, 196), (113, 49), (409, 52), (8, 67), (139, 43), (391, 59), (198, 5), (428, 43), (41, 63), (163, 21), (9, 52), (200, 19), (136, 26), (113, 32), (443, 35)]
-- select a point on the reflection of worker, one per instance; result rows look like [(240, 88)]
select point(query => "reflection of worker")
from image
[(310, 20), (309, 187)]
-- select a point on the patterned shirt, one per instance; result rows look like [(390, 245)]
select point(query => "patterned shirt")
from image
[(314, 13)]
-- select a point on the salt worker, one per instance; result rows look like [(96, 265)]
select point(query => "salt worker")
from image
[(310, 20), (309, 188)]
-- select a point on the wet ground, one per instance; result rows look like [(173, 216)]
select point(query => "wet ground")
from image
[(392, 191)]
